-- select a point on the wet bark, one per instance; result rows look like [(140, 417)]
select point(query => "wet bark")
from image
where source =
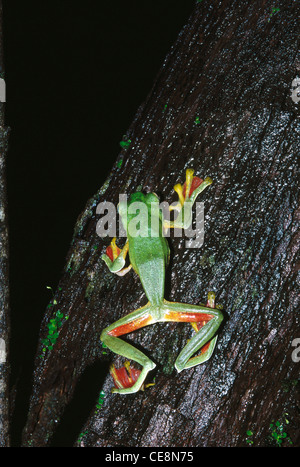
[(4, 280), (222, 104)]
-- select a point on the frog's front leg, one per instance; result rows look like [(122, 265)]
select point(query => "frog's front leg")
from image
[(115, 258), (187, 195), (110, 337), (207, 321)]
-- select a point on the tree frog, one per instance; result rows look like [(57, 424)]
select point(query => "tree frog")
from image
[(149, 255)]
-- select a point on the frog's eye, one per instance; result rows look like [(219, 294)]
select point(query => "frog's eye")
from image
[(152, 198)]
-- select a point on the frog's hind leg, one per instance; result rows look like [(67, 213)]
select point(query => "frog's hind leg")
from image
[(110, 337), (206, 350), (206, 321)]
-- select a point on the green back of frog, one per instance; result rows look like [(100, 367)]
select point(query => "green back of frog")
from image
[(148, 248)]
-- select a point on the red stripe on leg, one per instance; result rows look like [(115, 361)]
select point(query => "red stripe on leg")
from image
[(205, 347), (131, 326), (188, 317)]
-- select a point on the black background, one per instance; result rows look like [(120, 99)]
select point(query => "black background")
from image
[(76, 73)]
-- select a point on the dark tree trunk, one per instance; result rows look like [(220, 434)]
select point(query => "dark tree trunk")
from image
[(4, 281), (221, 104)]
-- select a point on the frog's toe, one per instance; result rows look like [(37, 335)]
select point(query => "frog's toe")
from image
[(124, 377)]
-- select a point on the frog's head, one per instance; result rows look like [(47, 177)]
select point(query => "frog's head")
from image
[(141, 197), (137, 197)]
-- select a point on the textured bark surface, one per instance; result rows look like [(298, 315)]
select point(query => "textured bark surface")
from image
[(4, 280), (222, 105)]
